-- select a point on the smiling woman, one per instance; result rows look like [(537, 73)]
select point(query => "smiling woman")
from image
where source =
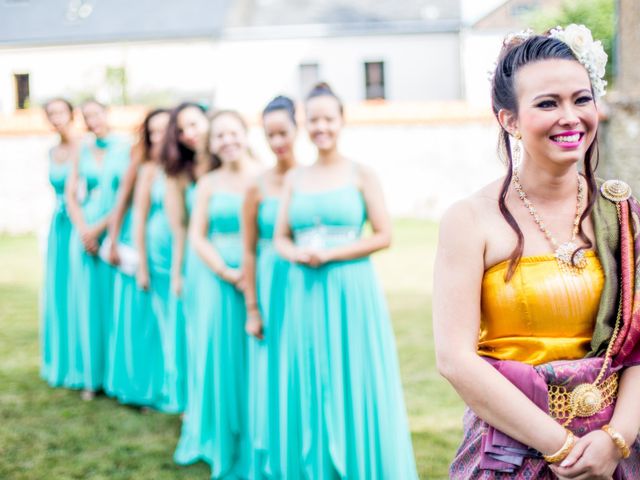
[(528, 276)]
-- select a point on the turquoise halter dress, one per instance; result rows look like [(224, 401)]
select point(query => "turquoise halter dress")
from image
[(264, 355), (215, 423), (343, 405), (54, 346), (91, 279)]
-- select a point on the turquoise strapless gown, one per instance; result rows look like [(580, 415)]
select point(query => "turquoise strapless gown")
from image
[(264, 385), (215, 423), (166, 307), (91, 279), (345, 413), (54, 314), (135, 357)]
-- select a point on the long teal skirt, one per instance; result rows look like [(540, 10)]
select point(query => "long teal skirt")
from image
[(54, 329), (90, 312), (264, 366), (167, 309), (214, 428), (135, 354), (343, 408)]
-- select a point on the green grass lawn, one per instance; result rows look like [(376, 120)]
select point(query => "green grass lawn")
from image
[(52, 434)]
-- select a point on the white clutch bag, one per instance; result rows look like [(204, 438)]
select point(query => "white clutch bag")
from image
[(129, 257)]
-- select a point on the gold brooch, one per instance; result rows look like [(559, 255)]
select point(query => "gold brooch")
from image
[(615, 190)]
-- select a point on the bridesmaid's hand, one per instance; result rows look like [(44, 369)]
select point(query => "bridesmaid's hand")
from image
[(594, 457), (89, 240), (254, 325), (319, 257), (114, 257), (142, 279), (233, 276), (301, 256), (176, 285)]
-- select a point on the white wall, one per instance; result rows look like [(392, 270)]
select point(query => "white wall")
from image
[(417, 67), (479, 52), (422, 168), (241, 74)]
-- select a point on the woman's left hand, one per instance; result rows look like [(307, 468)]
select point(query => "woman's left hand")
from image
[(594, 457), (317, 258)]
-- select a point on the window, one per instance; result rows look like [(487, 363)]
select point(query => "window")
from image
[(374, 80), (22, 90), (309, 76), (523, 8)]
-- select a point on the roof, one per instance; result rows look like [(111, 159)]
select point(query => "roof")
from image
[(346, 14), (58, 22), (37, 22)]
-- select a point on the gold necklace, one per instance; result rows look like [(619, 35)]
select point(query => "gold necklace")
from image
[(567, 254)]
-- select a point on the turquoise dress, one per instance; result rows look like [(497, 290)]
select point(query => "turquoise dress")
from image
[(54, 315), (345, 413), (91, 279), (264, 362), (136, 362), (166, 307), (215, 423)]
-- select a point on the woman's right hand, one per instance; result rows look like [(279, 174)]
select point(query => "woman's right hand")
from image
[(142, 279), (233, 276), (176, 285), (89, 239), (254, 325)]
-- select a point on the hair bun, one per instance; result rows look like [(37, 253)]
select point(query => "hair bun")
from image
[(281, 103)]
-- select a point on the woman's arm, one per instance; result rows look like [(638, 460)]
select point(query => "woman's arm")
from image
[(125, 192), (141, 205), (198, 230), (378, 218), (282, 236), (459, 269), (249, 239), (175, 206), (75, 210)]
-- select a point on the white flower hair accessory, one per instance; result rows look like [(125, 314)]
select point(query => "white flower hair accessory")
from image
[(589, 53)]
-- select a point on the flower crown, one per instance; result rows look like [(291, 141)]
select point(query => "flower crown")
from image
[(589, 53)]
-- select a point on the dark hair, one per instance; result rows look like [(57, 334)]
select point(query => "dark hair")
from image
[(221, 113), (515, 55), (66, 102), (144, 143), (322, 89), (176, 157), (281, 103)]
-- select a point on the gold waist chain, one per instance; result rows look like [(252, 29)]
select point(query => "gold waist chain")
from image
[(587, 399), (583, 401)]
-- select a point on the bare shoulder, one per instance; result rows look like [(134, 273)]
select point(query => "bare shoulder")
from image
[(467, 221)]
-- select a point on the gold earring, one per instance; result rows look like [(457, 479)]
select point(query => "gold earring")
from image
[(516, 152)]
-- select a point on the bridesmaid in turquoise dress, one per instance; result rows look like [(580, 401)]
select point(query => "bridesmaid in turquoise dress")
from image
[(91, 195), (185, 158), (265, 277), (343, 405), (54, 314), (153, 240), (136, 370), (215, 426)]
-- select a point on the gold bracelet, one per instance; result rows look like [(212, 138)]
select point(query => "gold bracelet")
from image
[(564, 451), (618, 439)]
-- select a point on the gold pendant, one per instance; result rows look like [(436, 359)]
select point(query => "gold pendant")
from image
[(586, 399), (566, 259)]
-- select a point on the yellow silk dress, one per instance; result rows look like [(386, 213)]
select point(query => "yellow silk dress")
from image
[(543, 313)]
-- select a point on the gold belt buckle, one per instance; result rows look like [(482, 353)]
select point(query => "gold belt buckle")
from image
[(584, 400)]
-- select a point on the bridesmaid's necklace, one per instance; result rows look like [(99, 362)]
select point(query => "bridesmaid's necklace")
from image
[(567, 254)]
